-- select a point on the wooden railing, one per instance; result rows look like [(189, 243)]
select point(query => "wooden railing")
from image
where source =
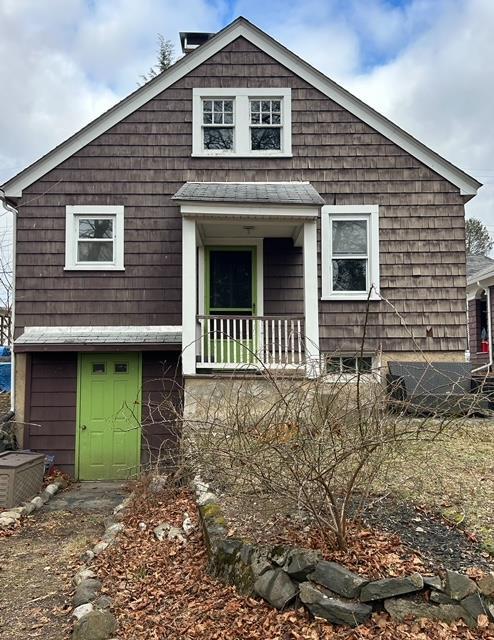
[(228, 342)]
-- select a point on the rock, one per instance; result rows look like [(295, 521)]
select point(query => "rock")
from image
[(300, 563), (51, 489), (187, 525), (401, 608), (88, 555), (279, 555), (338, 579), (158, 484), (95, 625), (38, 502), (474, 606), (6, 522), (486, 585), (391, 587), (102, 602), (45, 496), (333, 609), (100, 547), (15, 515), (82, 610), (123, 505), (165, 531), (83, 574), (112, 531), (441, 598), (206, 497), (28, 508), (86, 591), (259, 564), (433, 582), (459, 586), (276, 588)]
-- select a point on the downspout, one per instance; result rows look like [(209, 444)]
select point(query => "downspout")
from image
[(489, 333), (14, 212)]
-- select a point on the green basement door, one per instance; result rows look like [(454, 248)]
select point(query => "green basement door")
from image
[(109, 416)]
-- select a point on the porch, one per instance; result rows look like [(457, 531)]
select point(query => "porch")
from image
[(239, 311)]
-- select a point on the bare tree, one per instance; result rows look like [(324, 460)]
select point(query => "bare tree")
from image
[(479, 242)]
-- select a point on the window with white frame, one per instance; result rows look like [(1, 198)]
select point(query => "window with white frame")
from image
[(94, 237), (241, 122), (350, 252)]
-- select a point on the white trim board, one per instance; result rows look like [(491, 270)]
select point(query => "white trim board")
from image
[(242, 28)]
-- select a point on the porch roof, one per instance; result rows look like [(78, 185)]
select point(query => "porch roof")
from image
[(99, 338), (290, 193)]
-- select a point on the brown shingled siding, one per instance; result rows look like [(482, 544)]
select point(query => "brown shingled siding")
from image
[(144, 159)]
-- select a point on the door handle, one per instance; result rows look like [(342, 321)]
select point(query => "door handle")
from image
[(83, 427)]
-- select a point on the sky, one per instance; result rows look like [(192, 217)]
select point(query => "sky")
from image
[(426, 64)]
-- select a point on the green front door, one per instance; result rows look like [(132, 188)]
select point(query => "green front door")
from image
[(109, 416), (231, 302)]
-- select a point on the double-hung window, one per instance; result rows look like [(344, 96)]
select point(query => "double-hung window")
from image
[(241, 122), (350, 252), (94, 237)]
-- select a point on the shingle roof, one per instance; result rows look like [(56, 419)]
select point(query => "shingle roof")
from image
[(298, 193), (478, 264), (100, 336)]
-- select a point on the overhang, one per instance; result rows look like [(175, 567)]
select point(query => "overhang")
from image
[(103, 338)]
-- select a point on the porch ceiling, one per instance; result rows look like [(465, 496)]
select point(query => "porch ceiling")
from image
[(253, 229)]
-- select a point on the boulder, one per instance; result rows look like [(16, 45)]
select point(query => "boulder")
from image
[(165, 531), (38, 502), (95, 625), (401, 608), (28, 508), (82, 610), (6, 522), (300, 563), (458, 586), (102, 602), (441, 598), (433, 582), (391, 587), (13, 514), (486, 585), (338, 579), (83, 574), (86, 591), (100, 547), (474, 606), (334, 610), (52, 489), (276, 588), (279, 555), (112, 531)]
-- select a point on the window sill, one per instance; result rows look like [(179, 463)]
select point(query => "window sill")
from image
[(352, 298), (265, 154), (94, 268)]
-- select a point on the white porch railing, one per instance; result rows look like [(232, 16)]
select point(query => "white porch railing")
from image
[(230, 342)]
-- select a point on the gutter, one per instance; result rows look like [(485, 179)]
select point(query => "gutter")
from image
[(8, 207)]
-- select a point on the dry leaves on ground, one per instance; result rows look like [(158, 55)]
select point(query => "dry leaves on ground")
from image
[(162, 591)]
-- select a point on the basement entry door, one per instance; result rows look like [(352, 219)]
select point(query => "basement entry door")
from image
[(109, 416)]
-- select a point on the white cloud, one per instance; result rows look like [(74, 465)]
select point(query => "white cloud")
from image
[(427, 64)]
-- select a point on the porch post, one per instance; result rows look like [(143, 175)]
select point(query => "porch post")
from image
[(189, 292), (311, 302)]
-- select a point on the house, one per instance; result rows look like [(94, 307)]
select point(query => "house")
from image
[(239, 209), (480, 301)]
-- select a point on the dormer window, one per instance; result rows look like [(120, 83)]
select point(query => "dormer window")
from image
[(242, 122)]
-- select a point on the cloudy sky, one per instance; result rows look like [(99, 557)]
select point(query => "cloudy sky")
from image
[(426, 64)]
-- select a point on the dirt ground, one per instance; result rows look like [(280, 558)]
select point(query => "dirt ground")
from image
[(38, 561)]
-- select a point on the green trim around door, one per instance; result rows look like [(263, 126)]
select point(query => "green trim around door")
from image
[(108, 416)]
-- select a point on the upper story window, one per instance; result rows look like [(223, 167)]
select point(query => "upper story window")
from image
[(350, 252), (242, 122), (94, 237)]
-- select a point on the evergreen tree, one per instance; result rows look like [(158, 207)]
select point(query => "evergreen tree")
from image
[(478, 238)]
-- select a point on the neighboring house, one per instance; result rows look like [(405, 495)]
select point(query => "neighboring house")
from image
[(241, 202), (480, 300)]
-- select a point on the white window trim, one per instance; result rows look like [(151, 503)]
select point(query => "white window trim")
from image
[(241, 128), (72, 213), (371, 213)]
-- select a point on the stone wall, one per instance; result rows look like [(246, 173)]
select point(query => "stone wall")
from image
[(284, 576)]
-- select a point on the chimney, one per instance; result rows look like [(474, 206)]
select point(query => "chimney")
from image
[(190, 40)]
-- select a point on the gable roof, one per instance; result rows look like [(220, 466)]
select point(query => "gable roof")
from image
[(267, 192), (241, 28), (477, 265)]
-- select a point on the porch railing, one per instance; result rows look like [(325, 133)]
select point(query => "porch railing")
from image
[(228, 342)]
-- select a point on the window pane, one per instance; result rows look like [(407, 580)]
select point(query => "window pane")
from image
[(230, 282), (207, 105), (228, 118), (255, 106), (333, 365), (275, 118), (121, 367), (95, 252), (218, 118), (349, 237), (265, 139), (266, 118), (254, 118), (218, 106), (348, 364), (98, 367), (365, 364), (349, 275), (276, 105), (228, 106), (266, 106), (218, 138), (208, 118), (94, 228)]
